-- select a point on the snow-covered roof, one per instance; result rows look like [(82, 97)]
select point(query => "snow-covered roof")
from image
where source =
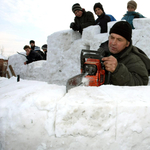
[(3, 57)]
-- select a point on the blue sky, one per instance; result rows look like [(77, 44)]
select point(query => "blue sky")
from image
[(25, 20)]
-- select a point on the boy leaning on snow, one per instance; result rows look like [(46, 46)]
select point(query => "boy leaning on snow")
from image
[(31, 55), (82, 18), (131, 14), (127, 64)]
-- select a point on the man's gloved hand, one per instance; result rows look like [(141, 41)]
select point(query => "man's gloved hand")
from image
[(74, 26)]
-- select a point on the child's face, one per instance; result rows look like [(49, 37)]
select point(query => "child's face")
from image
[(130, 8), (78, 13), (98, 11), (27, 51)]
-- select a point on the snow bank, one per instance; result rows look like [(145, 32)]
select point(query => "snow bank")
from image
[(64, 50), (39, 116)]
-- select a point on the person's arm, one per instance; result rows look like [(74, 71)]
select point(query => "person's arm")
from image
[(132, 74), (29, 60)]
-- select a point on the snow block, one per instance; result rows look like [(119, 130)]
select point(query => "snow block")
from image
[(90, 32), (141, 23), (39, 116)]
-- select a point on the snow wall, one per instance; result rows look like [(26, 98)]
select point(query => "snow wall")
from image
[(64, 50), (40, 116)]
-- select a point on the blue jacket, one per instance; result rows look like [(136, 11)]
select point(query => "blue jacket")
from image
[(111, 17), (130, 15)]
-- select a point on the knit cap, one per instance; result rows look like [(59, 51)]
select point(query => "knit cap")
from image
[(44, 46), (76, 7), (132, 3), (98, 5), (123, 29)]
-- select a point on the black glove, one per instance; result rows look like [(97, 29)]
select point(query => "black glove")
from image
[(74, 26)]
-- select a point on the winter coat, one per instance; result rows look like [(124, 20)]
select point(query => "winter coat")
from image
[(33, 56), (40, 53), (130, 15), (133, 67), (111, 17), (37, 49), (45, 55), (87, 19), (102, 21)]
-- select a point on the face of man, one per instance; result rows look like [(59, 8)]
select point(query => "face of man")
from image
[(44, 50), (27, 51), (98, 11), (78, 13), (32, 44), (117, 43)]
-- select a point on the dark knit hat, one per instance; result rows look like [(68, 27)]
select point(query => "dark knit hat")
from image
[(76, 7), (132, 4), (44, 46), (122, 28), (98, 5)]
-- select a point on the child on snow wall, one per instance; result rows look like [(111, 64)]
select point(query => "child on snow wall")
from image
[(131, 14), (102, 19), (83, 19), (31, 55)]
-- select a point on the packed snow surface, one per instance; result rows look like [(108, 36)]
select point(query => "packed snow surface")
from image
[(41, 116)]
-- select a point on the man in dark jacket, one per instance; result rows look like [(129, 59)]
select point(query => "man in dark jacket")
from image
[(102, 19), (83, 19), (31, 55), (127, 64), (36, 48)]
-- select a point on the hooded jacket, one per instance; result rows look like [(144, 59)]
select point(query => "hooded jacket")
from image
[(102, 21), (133, 66)]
